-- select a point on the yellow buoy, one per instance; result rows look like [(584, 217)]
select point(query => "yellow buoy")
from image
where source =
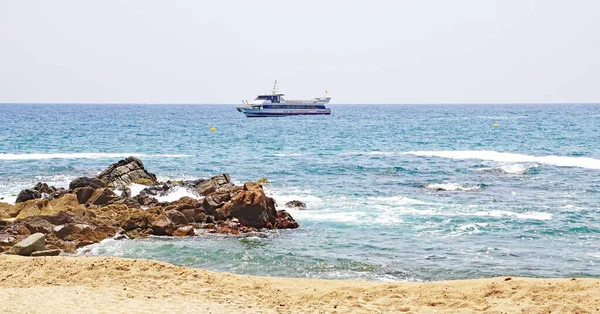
[(495, 125), (213, 129)]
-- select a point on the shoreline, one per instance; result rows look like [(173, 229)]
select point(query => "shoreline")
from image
[(112, 284)]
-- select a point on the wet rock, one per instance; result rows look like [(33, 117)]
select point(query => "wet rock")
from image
[(53, 252), (145, 200), (83, 194), (28, 194), (81, 182), (296, 204), (127, 171), (249, 207), (285, 221), (214, 201), (34, 242), (213, 184), (125, 192), (130, 202), (44, 188)]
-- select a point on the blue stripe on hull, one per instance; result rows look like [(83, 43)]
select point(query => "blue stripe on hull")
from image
[(273, 114)]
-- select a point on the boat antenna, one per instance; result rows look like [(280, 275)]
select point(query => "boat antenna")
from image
[(274, 91)]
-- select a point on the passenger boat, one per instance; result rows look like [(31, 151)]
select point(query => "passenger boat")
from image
[(273, 105)]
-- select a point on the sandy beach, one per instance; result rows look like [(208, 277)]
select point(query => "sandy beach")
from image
[(117, 285)]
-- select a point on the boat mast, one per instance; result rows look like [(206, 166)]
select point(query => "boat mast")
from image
[(274, 91)]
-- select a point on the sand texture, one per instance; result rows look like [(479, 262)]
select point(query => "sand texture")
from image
[(116, 285)]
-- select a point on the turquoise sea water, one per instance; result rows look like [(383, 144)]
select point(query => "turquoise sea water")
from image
[(395, 192)]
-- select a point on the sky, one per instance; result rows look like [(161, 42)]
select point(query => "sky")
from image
[(371, 52)]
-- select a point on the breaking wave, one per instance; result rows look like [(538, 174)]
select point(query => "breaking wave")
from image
[(452, 187), (561, 161)]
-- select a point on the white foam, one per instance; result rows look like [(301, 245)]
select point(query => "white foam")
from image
[(526, 215), (452, 187), (287, 155), (562, 161), (6, 156), (175, 194)]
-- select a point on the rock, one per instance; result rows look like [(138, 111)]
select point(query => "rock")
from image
[(162, 226), (130, 202), (34, 242), (296, 204), (53, 252), (44, 188), (262, 181), (7, 211), (125, 192), (249, 207), (83, 193), (102, 196), (253, 186), (285, 221), (38, 226), (184, 231), (214, 201), (83, 233), (175, 216), (145, 200), (213, 184), (81, 182), (127, 171), (40, 207), (28, 194)]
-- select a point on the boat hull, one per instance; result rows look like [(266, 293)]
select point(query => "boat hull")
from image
[(255, 113)]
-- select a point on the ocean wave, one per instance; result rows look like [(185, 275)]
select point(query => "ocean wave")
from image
[(9, 156), (518, 169), (287, 155), (452, 187), (561, 161)]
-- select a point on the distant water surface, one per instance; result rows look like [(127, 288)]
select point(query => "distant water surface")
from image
[(395, 192)]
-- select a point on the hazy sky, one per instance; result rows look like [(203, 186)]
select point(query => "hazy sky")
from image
[(148, 51)]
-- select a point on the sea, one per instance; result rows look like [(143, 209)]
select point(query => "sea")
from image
[(394, 192)]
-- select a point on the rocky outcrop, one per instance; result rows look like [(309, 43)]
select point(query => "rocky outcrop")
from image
[(28, 194), (91, 211), (127, 171), (83, 182), (39, 207), (33, 243)]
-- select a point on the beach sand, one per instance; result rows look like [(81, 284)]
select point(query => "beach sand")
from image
[(118, 285)]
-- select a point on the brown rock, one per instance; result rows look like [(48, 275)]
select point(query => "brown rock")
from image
[(102, 196), (285, 221), (38, 225), (214, 201), (296, 204), (7, 210), (127, 171), (184, 231), (253, 186), (49, 207), (213, 184), (162, 226), (176, 217), (249, 207), (83, 194)]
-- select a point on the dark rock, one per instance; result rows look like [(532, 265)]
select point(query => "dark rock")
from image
[(127, 171), (34, 242), (126, 192), (214, 201), (213, 184), (102, 196), (28, 194), (81, 182), (194, 215), (296, 204), (145, 200), (53, 252), (249, 207), (177, 217), (83, 194), (44, 188), (130, 202), (38, 226), (285, 221)]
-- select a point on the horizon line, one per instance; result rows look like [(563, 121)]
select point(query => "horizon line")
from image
[(334, 104)]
